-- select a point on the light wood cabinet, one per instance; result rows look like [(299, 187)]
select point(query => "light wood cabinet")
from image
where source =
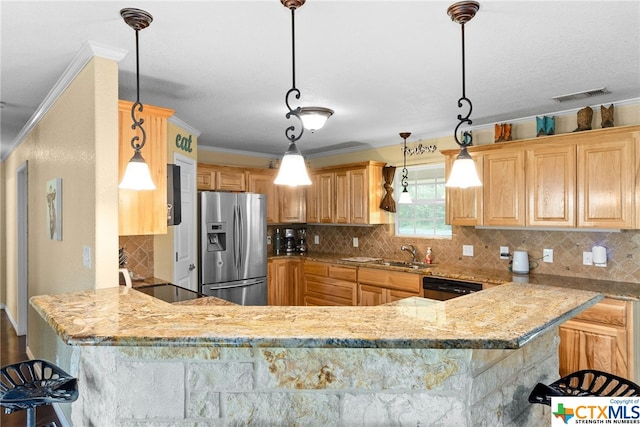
[(283, 281), (220, 178), (143, 212), (464, 205), (551, 185), (580, 179), (504, 188), (601, 338), (347, 194), (291, 204), (262, 183), (329, 284), (606, 183), (377, 286)]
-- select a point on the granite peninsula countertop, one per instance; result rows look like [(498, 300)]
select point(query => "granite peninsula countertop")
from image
[(503, 317), (610, 289)]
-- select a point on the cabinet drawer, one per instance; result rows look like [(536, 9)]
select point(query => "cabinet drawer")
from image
[(344, 273), (337, 291), (390, 279), (316, 268), (609, 311)]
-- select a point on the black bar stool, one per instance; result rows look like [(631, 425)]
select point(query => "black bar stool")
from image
[(588, 382), (32, 383)]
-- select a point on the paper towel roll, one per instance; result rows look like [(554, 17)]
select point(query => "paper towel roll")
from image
[(599, 256)]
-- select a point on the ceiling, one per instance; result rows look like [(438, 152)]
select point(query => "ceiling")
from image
[(383, 66)]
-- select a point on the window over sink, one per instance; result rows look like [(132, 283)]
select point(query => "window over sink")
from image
[(426, 215)]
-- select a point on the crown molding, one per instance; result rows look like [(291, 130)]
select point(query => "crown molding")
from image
[(87, 51)]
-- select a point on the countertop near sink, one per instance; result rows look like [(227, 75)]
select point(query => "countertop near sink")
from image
[(611, 289)]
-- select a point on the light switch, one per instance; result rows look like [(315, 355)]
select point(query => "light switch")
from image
[(587, 258), (86, 256), (355, 242), (316, 240)]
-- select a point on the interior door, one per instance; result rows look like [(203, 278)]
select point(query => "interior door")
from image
[(185, 273)]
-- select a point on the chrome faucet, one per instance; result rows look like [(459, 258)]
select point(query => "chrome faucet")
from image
[(411, 249)]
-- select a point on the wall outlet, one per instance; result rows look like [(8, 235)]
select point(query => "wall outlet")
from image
[(355, 242), (587, 258), (467, 250), (268, 240), (547, 255), (504, 252), (316, 240)]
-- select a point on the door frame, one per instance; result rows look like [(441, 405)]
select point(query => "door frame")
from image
[(22, 241), (194, 274)]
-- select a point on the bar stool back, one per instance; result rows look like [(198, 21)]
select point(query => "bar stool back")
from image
[(32, 383)]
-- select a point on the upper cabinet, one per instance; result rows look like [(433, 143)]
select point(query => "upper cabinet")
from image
[(464, 205), (262, 182), (503, 187), (221, 178), (347, 194), (143, 212), (582, 179)]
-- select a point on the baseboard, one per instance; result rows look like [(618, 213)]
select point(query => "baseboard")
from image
[(11, 319), (30, 354)]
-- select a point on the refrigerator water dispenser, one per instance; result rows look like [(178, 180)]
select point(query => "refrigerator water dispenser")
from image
[(216, 237)]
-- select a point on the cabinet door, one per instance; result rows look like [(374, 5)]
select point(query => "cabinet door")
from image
[(326, 197), (292, 203), (296, 294), (272, 282), (503, 188), (359, 197), (262, 183), (464, 205), (313, 207), (144, 212), (590, 346), (342, 197), (370, 295), (606, 181), (395, 295), (551, 185), (230, 180)]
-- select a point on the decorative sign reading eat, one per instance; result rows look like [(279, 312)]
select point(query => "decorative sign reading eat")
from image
[(184, 143)]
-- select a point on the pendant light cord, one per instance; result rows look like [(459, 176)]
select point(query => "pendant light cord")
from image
[(137, 123), (289, 132), (466, 136)]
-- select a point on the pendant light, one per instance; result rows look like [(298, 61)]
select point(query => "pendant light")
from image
[(293, 171), (137, 175), (463, 172), (405, 197)]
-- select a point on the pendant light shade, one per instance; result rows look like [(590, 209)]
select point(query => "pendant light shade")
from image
[(314, 118), (293, 171), (463, 172), (405, 196), (137, 175)]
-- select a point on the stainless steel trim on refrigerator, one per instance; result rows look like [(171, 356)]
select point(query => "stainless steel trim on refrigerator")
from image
[(233, 246)]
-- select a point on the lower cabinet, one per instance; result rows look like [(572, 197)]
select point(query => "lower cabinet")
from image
[(377, 287), (329, 284), (601, 338), (283, 281)]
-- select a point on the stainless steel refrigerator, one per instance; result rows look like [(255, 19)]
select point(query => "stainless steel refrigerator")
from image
[(233, 246)]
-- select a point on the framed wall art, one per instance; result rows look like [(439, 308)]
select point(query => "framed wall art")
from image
[(54, 208)]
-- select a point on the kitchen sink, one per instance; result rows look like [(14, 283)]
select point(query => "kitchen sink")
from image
[(406, 264)]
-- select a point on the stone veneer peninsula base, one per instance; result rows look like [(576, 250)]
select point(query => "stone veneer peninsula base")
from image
[(470, 361), (191, 386)]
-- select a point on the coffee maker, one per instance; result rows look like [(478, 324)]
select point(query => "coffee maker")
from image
[(290, 240), (302, 240)]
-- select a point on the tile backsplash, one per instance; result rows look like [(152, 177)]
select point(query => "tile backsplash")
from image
[(139, 252), (623, 256)]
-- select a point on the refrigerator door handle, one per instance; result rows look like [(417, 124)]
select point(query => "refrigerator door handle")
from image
[(240, 239), (235, 238)]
